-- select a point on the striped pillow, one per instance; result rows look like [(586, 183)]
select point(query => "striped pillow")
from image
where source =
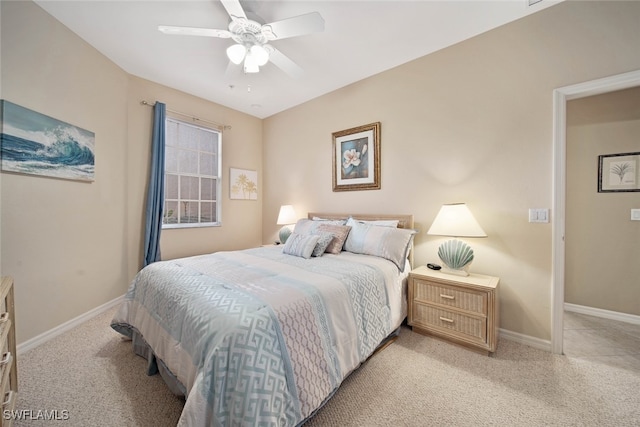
[(300, 245), (385, 242)]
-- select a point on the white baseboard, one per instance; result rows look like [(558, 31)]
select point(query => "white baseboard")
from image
[(606, 314), (67, 326), (591, 311), (526, 340)]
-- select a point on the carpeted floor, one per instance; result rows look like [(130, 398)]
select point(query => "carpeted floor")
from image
[(91, 377)]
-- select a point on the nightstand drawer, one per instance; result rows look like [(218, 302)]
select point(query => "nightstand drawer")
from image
[(452, 296), (426, 316)]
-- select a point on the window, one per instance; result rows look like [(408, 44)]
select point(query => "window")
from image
[(192, 175)]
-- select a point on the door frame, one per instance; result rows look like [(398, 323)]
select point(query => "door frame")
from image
[(560, 98)]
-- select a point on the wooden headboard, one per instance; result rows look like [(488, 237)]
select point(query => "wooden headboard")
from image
[(404, 221)]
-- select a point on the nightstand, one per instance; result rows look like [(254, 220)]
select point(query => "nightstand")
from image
[(463, 310)]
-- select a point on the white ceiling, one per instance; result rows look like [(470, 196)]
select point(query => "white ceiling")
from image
[(361, 38)]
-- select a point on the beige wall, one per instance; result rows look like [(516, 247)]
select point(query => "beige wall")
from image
[(73, 246), (471, 123), (602, 250), (63, 241)]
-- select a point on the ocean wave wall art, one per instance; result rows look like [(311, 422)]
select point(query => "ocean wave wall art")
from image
[(35, 144)]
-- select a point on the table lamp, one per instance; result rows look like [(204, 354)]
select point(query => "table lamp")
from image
[(286, 217), (456, 220)]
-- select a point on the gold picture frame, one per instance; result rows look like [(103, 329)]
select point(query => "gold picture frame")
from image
[(356, 158)]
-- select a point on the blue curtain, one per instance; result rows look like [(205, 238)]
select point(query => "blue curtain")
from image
[(155, 195)]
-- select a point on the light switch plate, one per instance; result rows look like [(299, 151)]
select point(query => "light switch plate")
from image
[(635, 214), (538, 215)]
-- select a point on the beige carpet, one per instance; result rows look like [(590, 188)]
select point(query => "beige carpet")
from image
[(92, 376)]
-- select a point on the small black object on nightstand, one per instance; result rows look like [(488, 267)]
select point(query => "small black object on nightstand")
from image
[(434, 266)]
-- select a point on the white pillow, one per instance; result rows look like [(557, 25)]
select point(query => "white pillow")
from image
[(378, 222), (301, 245), (305, 226), (382, 241), (330, 221)]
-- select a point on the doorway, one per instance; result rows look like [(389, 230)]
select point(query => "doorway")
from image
[(560, 98)]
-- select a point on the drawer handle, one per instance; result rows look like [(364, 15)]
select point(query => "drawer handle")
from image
[(444, 319), (8, 397), (6, 358), (447, 296), (4, 317)]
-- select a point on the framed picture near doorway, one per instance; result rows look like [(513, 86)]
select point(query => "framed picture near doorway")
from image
[(618, 172)]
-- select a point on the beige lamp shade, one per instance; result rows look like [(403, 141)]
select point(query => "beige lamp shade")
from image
[(286, 217), (456, 220)]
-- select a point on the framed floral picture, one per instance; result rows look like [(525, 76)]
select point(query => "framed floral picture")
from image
[(356, 158), (618, 172)]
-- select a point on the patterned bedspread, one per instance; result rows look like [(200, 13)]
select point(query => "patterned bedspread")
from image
[(257, 337)]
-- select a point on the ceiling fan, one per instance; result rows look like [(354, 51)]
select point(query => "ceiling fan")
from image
[(252, 48)]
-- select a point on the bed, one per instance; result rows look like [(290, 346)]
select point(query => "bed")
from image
[(265, 336)]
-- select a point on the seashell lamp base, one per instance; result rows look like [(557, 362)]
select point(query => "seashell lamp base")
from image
[(461, 272), (456, 256)]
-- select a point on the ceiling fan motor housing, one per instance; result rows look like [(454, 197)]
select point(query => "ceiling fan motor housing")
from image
[(248, 32)]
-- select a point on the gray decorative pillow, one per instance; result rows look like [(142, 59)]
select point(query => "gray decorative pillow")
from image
[(323, 241), (301, 245), (339, 232), (386, 242)]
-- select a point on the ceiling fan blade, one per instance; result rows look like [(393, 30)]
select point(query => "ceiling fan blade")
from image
[(281, 61), (292, 27), (234, 9), (193, 31)]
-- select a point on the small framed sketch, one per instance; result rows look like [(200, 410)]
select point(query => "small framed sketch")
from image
[(618, 172), (244, 184), (356, 158)]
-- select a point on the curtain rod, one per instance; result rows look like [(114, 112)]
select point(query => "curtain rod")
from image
[(195, 119)]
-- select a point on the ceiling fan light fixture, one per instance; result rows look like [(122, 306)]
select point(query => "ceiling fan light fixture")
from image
[(260, 54), (251, 64), (236, 53)]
